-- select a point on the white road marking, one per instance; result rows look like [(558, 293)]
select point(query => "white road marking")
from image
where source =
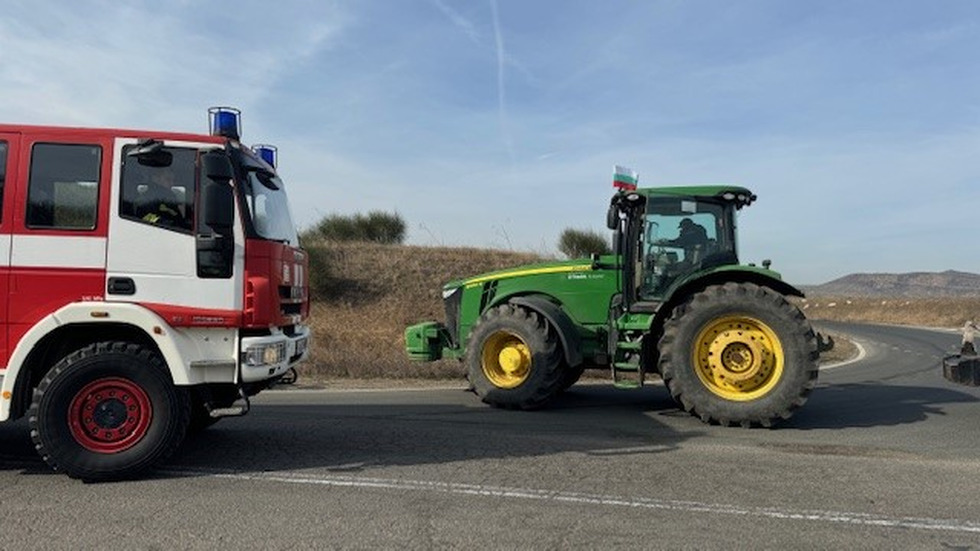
[(841, 517), (862, 353)]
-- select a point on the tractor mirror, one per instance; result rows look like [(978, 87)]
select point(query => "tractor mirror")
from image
[(612, 217)]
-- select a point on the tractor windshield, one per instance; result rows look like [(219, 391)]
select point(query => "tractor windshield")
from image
[(681, 236)]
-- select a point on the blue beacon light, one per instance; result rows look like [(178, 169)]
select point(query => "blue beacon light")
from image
[(268, 153), (225, 121)]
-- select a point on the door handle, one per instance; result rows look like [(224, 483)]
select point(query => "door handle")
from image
[(122, 286)]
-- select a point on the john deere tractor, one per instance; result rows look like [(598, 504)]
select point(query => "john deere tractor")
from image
[(673, 300)]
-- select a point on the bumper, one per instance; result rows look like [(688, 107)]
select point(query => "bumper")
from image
[(268, 357), (962, 370), (426, 342)]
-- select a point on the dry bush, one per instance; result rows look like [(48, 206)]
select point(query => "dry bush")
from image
[(929, 312), (369, 293)]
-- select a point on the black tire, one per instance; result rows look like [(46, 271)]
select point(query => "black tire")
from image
[(538, 379), (120, 389), (742, 331), (571, 375)]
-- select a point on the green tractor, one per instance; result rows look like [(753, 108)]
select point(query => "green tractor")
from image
[(672, 300)]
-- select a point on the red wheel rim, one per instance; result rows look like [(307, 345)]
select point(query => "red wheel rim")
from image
[(109, 415)]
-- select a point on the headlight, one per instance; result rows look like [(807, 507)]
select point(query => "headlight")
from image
[(446, 293), (265, 354)]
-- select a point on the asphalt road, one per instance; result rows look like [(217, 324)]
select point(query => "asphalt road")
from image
[(884, 455)]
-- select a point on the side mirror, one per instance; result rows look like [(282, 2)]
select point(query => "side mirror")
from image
[(216, 166), (612, 217), (151, 153), (219, 207)]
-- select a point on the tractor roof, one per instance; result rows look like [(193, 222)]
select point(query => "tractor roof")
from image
[(739, 195)]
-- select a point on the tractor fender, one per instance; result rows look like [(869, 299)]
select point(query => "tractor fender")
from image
[(736, 274), (571, 342)]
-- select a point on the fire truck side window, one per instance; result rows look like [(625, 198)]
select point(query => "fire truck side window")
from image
[(160, 195), (63, 192), (3, 171)]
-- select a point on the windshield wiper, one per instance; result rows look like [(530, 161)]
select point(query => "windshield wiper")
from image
[(265, 178)]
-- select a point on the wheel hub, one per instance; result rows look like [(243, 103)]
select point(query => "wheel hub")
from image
[(738, 358), (514, 358), (506, 359), (109, 415)]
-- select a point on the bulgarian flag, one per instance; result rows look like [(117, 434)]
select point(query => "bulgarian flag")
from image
[(625, 178)]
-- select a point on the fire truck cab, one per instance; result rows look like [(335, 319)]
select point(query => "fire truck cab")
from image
[(150, 282)]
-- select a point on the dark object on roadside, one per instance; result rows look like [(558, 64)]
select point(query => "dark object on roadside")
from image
[(825, 343), (962, 369)]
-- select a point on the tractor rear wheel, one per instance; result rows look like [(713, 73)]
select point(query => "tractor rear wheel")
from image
[(108, 411), (738, 353), (513, 360)]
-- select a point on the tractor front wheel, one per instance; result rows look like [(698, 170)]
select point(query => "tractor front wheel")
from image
[(513, 360), (738, 354)]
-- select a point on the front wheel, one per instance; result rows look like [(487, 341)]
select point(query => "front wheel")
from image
[(738, 353), (513, 359), (108, 411)]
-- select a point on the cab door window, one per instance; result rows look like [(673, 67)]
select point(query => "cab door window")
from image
[(160, 191), (63, 192)]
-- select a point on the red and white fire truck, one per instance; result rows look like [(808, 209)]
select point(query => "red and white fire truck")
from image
[(150, 282)]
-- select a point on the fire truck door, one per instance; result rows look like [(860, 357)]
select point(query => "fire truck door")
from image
[(152, 254), (8, 173)]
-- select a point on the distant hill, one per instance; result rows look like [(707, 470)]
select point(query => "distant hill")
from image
[(948, 284)]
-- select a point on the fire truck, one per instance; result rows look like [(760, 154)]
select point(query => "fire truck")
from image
[(151, 282)]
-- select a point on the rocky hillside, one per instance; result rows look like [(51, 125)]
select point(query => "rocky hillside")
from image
[(948, 284)]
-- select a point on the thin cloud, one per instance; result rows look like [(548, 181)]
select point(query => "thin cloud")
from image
[(459, 21), (498, 37)]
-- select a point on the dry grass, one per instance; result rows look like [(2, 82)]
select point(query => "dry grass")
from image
[(369, 293), (928, 312)]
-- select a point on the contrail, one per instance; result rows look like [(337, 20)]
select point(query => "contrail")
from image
[(501, 94), (457, 19)]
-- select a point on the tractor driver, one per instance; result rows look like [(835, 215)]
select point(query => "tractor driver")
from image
[(691, 237)]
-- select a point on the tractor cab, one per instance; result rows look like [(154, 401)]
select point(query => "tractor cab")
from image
[(665, 235)]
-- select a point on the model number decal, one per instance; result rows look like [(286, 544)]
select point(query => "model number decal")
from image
[(581, 275)]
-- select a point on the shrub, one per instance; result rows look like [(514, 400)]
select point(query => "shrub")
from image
[(374, 227), (578, 243)]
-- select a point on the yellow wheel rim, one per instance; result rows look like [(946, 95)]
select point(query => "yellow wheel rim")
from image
[(506, 359), (738, 358)]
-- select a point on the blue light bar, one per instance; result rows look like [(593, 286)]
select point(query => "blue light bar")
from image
[(268, 153), (225, 121)]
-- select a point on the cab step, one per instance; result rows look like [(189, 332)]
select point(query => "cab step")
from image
[(234, 410)]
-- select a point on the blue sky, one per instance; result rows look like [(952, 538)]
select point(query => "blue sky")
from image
[(496, 123)]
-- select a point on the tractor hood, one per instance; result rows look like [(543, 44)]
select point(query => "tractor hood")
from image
[(568, 266)]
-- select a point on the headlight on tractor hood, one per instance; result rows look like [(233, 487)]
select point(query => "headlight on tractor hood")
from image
[(446, 293)]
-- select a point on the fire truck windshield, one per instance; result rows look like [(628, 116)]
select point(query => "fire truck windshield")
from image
[(268, 207)]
